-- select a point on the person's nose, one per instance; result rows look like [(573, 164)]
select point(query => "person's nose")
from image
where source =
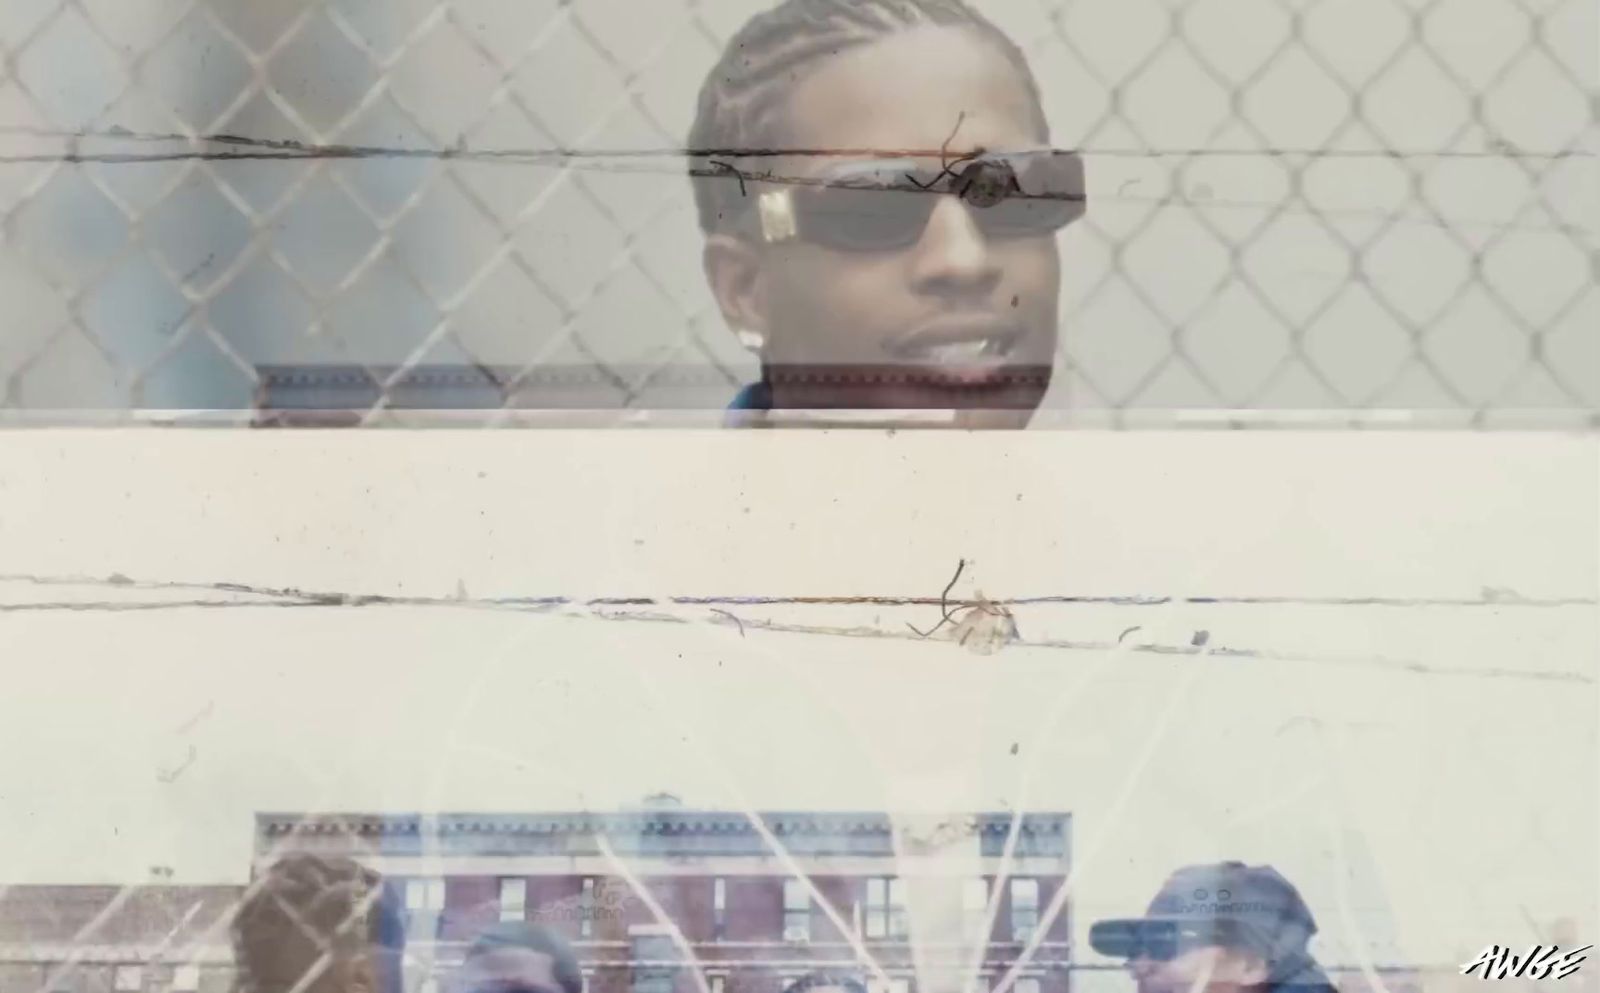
[(953, 257)]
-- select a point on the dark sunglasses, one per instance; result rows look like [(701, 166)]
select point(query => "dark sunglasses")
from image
[(1160, 941), (885, 205)]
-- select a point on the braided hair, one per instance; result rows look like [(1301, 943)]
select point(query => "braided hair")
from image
[(742, 101), (306, 913)]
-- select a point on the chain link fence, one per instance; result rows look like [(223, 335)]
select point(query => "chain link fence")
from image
[(1298, 206)]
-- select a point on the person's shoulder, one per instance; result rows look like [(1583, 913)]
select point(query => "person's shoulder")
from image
[(749, 406), (752, 397)]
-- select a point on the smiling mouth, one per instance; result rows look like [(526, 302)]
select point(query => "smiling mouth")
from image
[(955, 353), (955, 344)]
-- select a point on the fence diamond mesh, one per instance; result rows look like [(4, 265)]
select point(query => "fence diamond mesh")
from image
[(1297, 205)]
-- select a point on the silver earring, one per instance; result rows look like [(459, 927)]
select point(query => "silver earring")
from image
[(753, 341)]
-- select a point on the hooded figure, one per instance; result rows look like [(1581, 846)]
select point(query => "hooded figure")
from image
[(1222, 928)]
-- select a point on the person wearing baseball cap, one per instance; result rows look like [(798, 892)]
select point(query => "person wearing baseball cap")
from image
[(1220, 928)]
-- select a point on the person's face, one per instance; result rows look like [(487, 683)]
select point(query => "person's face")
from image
[(510, 970), (948, 292), (1208, 969)]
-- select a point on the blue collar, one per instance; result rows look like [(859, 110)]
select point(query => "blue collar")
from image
[(756, 396)]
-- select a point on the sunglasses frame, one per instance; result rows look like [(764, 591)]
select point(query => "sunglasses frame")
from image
[(779, 220), (1165, 940)]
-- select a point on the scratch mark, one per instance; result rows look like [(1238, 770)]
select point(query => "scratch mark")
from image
[(292, 148), (237, 147), (728, 168), (1219, 654), (192, 722), (296, 597), (944, 598), (171, 775), (607, 608), (732, 616)]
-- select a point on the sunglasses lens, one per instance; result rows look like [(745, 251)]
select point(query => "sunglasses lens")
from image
[(1160, 943), (1047, 195), (1027, 195), (1156, 940), (863, 220)]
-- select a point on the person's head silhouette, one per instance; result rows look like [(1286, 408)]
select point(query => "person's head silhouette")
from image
[(880, 205), (1222, 928)]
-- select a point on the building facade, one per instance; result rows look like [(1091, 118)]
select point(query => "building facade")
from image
[(153, 938), (664, 899)]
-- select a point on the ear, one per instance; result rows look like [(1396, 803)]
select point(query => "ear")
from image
[(734, 271)]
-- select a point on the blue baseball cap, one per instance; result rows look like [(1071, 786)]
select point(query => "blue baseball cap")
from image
[(1253, 908)]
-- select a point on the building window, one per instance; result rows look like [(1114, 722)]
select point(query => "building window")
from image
[(513, 899), (1024, 910), (719, 908), (796, 910), (586, 909), (128, 979), (974, 908), (886, 908), (186, 978), (717, 984), (655, 958), (424, 894), (1027, 984)]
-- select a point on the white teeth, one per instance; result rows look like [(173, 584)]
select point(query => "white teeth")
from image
[(959, 350)]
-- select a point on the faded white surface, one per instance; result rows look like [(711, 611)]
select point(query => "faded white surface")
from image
[(1436, 759)]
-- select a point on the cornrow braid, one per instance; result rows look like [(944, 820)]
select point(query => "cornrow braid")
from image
[(303, 909), (742, 100)]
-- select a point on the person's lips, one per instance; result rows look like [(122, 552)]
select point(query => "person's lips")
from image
[(955, 338), (960, 350)]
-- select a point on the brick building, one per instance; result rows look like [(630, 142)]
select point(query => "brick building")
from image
[(745, 917), (911, 895), (111, 939)]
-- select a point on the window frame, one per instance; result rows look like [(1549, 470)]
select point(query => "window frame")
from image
[(652, 978), (586, 891), (1024, 883), (719, 907), (518, 912), (887, 920), (796, 915), (421, 893)]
